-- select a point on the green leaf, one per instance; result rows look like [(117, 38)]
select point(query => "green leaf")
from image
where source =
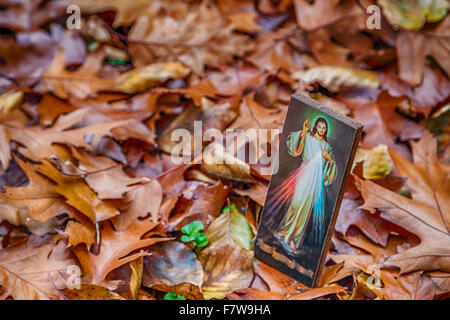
[(414, 14), (227, 208), (174, 296), (201, 240), (192, 228), (186, 238), (119, 62)]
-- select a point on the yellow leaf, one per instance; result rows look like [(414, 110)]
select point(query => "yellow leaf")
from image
[(10, 100), (377, 162), (334, 77), (141, 79)]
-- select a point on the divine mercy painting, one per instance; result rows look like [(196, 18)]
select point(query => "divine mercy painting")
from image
[(316, 153)]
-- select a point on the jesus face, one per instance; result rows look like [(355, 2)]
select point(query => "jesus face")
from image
[(321, 128)]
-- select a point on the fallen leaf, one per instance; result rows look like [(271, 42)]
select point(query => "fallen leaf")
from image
[(141, 79), (115, 250), (38, 196), (29, 273), (209, 116), (333, 78), (10, 100), (424, 214), (173, 267), (227, 260), (78, 194), (145, 199), (377, 163), (413, 14), (126, 12), (197, 37), (91, 292), (81, 83)]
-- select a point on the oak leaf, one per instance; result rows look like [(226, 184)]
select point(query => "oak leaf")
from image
[(78, 194), (198, 36), (28, 273), (425, 215), (116, 250), (38, 197)]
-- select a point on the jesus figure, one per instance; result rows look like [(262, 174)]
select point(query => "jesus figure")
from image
[(302, 196)]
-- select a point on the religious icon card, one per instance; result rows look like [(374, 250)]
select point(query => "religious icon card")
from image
[(316, 153)]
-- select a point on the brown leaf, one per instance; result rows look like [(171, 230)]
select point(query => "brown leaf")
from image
[(434, 89), (126, 12), (371, 225), (115, 250), (377, 112), (26, 58), (205, 203), (29, 15), (78, 194), (38, 142), (103, 175), (322, 13), (31, 273), (82, 83), (413, 48), (257, 193), (198, 36), (50, 108), (424, 215), (82, 231), (211, 115), (227, 260), (173, 267), (145, 199), (91, 292), (38, 196)]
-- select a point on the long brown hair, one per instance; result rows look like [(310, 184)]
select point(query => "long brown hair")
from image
[(314, 130)]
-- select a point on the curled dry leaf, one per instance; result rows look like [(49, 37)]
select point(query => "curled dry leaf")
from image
[(10, 100), (173, 267), (141, 79), (227, 260), (333, 77), (219, 163), (377, 163)]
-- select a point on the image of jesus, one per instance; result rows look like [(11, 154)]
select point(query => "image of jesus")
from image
[(301, 197)]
